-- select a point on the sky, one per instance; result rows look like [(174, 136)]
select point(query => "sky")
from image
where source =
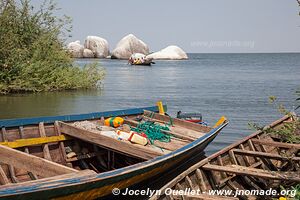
[(197, 26)]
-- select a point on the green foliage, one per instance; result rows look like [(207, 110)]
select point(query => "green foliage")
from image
[(289, 132), (297, 188), (32, 55)]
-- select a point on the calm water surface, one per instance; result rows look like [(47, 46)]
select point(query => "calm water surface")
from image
[(234, 85)]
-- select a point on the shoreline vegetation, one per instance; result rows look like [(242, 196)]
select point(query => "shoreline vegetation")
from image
[(32, 53)]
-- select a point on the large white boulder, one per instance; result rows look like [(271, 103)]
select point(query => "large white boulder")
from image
[(87, 53), (129, 45), (97, 45), (76, 49), (169, 53)]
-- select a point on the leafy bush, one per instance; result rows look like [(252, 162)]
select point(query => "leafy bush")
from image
[(32, 55), (289, 132)]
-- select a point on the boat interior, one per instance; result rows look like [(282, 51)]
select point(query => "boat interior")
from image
[(34, 152)]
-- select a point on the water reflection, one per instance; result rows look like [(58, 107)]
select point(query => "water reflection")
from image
[(48, 103)]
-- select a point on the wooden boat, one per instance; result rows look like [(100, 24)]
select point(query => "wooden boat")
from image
[(140, 59), (255, 163), (191, 117), (36, 162)]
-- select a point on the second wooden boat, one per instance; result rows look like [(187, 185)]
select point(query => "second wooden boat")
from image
[(243, 170), (64, 157)]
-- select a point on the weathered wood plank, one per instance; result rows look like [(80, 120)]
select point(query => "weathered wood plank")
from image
[(26, 149), (232, 157), (12, 173), (10, 167), (189, 182), (46, 150), (264, 155), (246, 159), (3, 178), (254, 172), (61, 144), (201, 180), (276, 144), (220, 162), (32, 163), (110, 143)]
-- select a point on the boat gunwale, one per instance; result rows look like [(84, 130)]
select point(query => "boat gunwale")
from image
[(15, 189), (9, 123)]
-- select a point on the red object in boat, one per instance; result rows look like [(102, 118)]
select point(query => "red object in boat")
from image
[(194, 120)]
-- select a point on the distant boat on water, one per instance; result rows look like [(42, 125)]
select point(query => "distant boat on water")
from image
[(140, 59)]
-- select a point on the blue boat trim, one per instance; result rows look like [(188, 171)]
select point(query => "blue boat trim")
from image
[(76, 117)]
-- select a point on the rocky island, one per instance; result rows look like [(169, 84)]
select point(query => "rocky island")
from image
[(97, 47)]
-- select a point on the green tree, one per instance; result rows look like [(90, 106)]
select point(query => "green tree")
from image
[(32, 54)]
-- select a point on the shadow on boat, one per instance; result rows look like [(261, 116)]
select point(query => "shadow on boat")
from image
[(158, 181)]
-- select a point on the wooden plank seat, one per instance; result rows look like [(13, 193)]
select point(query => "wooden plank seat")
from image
[(249, 171), (31, 163), (34, 141)]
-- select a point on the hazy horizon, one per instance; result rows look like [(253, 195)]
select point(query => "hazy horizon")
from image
[(202, 26)]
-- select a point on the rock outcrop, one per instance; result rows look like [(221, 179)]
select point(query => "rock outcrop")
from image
[(76, 49), (169, 53), (87, 53), (129, 45), (97, 45)]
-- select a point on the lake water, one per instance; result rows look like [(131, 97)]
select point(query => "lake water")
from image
[(234, 85)]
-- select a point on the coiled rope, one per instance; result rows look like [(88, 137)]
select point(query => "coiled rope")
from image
[(153, 131)]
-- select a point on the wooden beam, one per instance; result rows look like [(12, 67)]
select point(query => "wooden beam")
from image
[(189, 182), (45, 146), (13, 176), (26, 150), (264, 155), (246, 159), (248, 171), (201, 180), (61, 144), (232, 157), (276, 144), (34, 141), (3, 178), (10, 167), (32, 163), (123, 147)]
